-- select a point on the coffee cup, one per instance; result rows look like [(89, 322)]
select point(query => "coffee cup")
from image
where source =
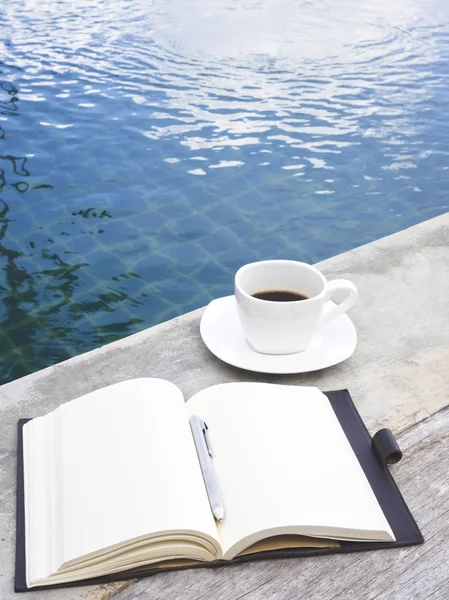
[(283, 303)]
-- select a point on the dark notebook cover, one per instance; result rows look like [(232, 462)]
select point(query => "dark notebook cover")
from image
[(388, 495)]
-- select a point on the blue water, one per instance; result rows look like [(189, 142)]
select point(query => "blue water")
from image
[(150, 148)]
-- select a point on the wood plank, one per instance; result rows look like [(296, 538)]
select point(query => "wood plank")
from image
[(418, 572)]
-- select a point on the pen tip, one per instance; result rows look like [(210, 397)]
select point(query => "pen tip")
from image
[(218, 512)]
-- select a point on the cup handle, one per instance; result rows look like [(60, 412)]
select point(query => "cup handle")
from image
[(332, 312)]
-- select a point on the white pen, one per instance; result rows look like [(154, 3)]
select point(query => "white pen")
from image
[(203, 449)]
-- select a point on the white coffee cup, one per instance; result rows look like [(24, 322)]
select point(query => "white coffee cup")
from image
[(286, 327)]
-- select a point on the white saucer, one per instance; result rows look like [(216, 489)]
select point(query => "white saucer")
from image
[(222, 333)]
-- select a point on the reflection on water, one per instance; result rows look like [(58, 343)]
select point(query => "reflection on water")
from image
[(148, 149), (39, 307)]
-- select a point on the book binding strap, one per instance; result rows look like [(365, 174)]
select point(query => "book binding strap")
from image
[(386, 447)]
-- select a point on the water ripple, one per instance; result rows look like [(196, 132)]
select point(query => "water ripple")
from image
[(149, 148)]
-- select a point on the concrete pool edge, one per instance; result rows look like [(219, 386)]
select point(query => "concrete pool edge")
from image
[(398, 375), (371, 260)]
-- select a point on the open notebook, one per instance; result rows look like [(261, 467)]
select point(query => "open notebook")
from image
[(112, 482)]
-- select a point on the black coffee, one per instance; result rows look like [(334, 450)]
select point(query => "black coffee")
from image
[(279, 296)]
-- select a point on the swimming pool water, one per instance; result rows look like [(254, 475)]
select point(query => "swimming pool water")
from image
[(148, 149)]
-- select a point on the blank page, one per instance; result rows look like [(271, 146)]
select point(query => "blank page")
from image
[(129, 468), (285, 466)]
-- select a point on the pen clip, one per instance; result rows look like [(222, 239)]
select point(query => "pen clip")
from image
[(204, 428)]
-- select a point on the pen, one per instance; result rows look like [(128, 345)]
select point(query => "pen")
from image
[(199, 429)]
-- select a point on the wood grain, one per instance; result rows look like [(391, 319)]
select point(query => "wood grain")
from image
[(417, 573)]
